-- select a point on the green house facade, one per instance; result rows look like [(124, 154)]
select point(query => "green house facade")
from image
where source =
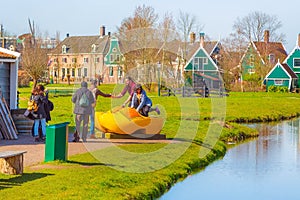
[(260, 55), (113, 59), (201, 65), (293, 61), (250, 60), (281, 75)]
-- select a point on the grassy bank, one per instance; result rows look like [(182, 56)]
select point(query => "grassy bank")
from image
[(145, 171)]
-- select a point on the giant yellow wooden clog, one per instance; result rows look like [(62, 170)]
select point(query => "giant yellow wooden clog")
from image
[(127, 121)]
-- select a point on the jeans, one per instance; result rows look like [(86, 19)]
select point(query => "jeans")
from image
[(36, 127), (92, 126), (85, 120)]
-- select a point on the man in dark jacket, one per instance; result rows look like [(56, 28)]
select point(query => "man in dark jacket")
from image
[(81, 111)]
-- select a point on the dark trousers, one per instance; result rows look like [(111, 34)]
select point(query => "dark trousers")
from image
[(85, 120), (144, 111)]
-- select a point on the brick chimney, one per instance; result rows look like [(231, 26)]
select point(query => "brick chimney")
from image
[(201, 39), (266, 36), (102, 31), (192, 37)]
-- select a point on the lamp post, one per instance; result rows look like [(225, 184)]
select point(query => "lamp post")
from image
[(158, 71)]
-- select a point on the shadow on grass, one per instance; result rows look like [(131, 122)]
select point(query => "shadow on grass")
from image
[(197, 142), (85, 163), (19, 180)]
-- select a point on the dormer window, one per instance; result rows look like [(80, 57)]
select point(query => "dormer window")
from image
[(64, 49), (272, 58), (112, 58), (114, 50), (117, 58), (93, 48)]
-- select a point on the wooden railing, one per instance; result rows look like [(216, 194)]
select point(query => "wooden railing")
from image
[(194, 92)]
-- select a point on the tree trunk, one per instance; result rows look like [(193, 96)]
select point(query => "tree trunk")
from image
[(34, 83)]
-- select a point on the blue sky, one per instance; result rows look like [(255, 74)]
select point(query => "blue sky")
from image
[(78, 17)]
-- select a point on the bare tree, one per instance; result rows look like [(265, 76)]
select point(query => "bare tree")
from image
[(233, 48), (34, 62), (252, 26), (33, 57), (139, 39), (166, 54)]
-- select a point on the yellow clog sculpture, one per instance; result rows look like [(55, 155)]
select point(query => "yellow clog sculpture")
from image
[(127, 121)]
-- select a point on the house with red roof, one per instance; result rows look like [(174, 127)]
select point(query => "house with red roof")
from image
[(261, 56)]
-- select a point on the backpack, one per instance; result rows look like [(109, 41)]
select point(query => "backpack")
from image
[(32, 105), (50, 105), (84, 101)]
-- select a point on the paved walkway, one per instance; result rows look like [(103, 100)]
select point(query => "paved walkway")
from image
[(36, 150)]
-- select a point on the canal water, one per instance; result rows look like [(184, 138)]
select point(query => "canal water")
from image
[(267, 168)]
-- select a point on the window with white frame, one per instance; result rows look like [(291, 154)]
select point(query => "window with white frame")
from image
[(85, 60), (97, 60), (79, 72), (251, 71), (111, 71), (64, 49), (296, 62), (73, 72), (85, 72), (272, 58), (118, 58), (278, 82), (119, 71), (199, 63), (112, 57), (74, 60), (64, 60), (63, 71)]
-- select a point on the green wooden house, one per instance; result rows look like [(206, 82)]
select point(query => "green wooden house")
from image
[(113, 59), (281, 75), (293, 60), (204, 69)]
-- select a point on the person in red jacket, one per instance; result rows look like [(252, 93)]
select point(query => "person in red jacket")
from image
[(129, 88)]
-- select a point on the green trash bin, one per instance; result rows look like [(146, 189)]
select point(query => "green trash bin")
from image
[(56, 147)]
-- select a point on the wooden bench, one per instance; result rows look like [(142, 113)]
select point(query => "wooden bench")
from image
[(11, 162)]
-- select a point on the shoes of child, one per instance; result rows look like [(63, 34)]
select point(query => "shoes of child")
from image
[(157, 110)]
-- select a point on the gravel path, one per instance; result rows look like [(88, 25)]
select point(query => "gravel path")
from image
[(36, 150)]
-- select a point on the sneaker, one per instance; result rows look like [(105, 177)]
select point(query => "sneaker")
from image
[(92, 136), (157, 110)]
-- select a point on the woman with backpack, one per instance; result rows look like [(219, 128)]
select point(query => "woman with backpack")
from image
[(40, 97)]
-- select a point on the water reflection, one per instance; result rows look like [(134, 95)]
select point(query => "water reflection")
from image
[(266, 168)]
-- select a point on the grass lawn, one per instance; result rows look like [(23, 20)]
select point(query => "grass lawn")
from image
[(145, 171)]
